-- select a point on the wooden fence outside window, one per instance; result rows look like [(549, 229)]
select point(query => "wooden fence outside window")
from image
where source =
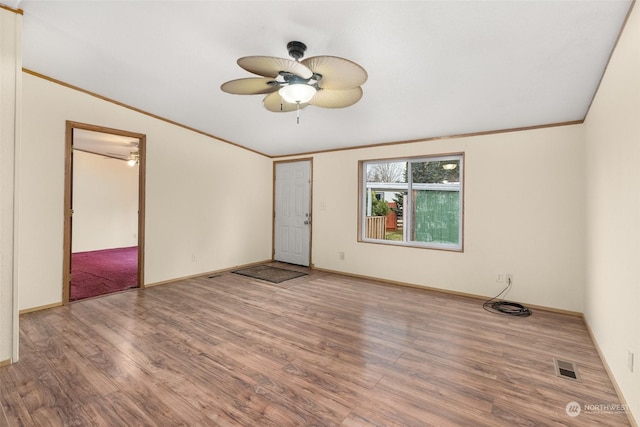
[(376, 227)]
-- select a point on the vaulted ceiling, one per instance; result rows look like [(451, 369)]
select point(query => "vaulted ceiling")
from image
[(435, 68)]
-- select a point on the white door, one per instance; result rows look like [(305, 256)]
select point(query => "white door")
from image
[(292, 223)]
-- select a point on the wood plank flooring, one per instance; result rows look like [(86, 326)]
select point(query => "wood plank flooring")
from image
[(319, 350)]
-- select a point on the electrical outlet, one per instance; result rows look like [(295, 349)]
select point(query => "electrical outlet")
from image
[(193, 257), (630, 360), (500, 278), (341, 255), (509, 278)]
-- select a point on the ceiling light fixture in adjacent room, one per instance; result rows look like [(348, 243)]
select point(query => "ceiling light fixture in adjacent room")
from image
[(449, 166), (133, 158)]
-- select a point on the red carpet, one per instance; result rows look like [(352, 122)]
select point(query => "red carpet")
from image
[(102, 272)]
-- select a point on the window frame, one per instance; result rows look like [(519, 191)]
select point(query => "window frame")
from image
[(362, 201)]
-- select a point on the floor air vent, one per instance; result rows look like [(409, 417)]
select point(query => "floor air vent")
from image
[(566, 369)]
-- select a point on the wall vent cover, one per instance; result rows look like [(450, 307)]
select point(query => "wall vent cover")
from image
[(566, 369)]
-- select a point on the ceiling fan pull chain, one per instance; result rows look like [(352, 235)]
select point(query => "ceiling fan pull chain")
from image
[(298, 113)]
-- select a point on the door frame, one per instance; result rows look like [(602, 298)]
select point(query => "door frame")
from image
[(68, 191), (273, 204)]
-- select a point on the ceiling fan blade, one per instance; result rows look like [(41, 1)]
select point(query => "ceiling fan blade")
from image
[(250, 86), (337, 73), (269, 66), (328, 98), (276, 104)]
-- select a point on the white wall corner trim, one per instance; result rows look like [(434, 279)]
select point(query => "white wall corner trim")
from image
[(10, 119)]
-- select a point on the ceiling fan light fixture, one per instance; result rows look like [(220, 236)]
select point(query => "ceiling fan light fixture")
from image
[(298, 93)]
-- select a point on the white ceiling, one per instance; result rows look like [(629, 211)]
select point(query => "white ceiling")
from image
[(436, 68)]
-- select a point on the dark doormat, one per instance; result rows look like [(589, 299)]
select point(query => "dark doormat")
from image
[(268, 273)]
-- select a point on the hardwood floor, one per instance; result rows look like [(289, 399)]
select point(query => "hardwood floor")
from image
[(319, 350)]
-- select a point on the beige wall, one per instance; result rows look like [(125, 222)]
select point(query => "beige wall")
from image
[(524, 215), (612, 292), (202, 200), (105, 203)]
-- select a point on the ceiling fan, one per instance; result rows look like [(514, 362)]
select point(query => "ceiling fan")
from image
[(290, 85)]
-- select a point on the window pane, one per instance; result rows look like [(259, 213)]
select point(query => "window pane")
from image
[(436, 201), (384, 180)]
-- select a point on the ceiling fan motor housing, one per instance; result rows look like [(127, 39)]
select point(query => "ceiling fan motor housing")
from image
[(296, 49)]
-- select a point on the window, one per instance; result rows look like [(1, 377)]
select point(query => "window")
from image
[(413, 202)]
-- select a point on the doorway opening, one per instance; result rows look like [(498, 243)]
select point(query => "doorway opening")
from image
[(104, 211)]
